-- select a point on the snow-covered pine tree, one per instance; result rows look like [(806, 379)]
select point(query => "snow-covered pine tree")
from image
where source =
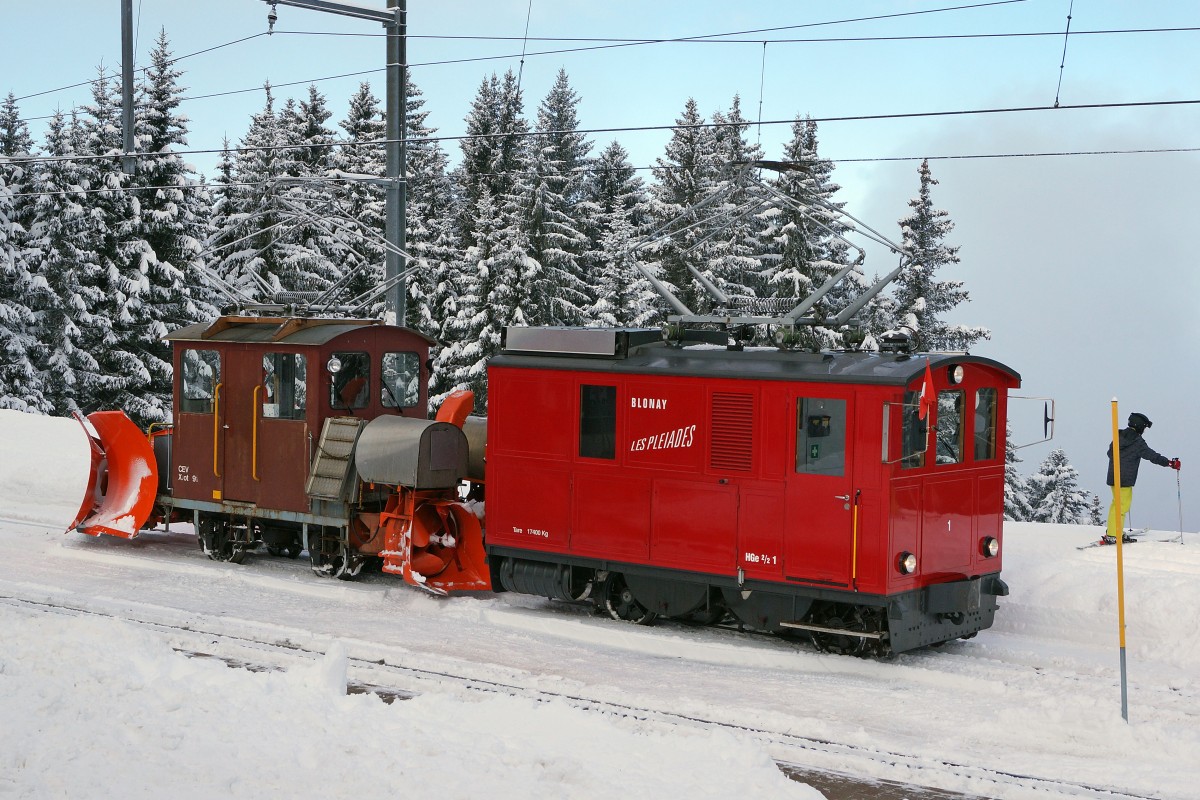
[(548, 209), (20, 381), (921, 298), (129, 377), (732, 263), (172, 221), (685, 175), (471, 335), (1054, 492), (363, 216), (495, 248), (806, 252), (429, 234), (309, 247), (65, 276), (244, 243), (1016, 487), (1095, 514), (616, 211)]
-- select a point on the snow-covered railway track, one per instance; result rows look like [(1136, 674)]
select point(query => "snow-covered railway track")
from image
[(391, 678)]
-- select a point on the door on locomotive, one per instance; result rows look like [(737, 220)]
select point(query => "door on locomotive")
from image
[(198, 449), (819, 490), (265, 425)]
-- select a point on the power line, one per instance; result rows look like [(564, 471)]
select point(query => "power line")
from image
[(624, 42), (621, 43), (584, 170), (630, 129), (142, 70), (627, 41)]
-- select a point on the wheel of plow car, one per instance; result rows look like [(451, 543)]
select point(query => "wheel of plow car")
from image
[(217, 543), (621, 603), (333, 558)]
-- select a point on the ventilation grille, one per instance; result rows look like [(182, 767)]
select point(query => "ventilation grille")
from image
[(732, 443)]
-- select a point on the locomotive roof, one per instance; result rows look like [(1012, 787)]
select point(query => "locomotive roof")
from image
[(280, 330), (634, 353)]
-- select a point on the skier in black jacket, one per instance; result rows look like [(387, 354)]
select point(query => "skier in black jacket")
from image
[(1133, 449)]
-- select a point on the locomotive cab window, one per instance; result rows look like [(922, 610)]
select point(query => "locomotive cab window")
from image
[(914, 434), (949, 430), (350, 384), (821, 436), (401, 380), (985, 424), (598, 421), (200, 379), (284, 388)]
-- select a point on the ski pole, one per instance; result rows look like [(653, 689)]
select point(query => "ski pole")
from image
[(1179, 494)]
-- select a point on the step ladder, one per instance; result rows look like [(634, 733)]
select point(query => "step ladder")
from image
[(331, 476)]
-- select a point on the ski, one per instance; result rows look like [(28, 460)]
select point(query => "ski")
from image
[(1129, 537)]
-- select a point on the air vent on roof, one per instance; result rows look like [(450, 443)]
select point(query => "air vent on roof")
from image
[(732, 444)]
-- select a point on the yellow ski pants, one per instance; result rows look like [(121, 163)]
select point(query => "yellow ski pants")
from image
[(1114, 524)]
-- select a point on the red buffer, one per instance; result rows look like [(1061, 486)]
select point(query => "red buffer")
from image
[(124, 477)]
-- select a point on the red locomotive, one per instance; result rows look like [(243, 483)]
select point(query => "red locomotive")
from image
[(850, 496), (799, 491)]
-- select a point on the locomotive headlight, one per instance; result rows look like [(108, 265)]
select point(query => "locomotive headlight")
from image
[(334, 365), (906, 563), (990, 547), (956, 373)]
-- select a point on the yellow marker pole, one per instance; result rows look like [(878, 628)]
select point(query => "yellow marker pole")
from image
[(1116, 459)]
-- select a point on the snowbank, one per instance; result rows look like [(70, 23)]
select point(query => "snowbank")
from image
[(45, 463), (95, 708)]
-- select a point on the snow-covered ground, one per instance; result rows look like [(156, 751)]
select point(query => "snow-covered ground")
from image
[(517, 696)]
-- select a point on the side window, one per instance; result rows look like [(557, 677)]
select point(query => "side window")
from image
[(985, 424), (401, 380), (201, 376), (949, 431), (821, 436), (598, 421), (914, 434), (350, 387), (284, 388)]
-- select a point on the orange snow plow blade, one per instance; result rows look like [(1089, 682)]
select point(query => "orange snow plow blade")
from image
[(124, 479), (435, 543)]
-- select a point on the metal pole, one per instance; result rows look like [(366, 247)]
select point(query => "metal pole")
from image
[(128, 162), (1179, 495), (397, 173), (1116, 459), (395, 22)]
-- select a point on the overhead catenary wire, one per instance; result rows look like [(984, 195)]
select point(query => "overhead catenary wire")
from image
[(703, 39), (622, 129), (1062, 64), (591, 169), (524, 42), (526, 37)]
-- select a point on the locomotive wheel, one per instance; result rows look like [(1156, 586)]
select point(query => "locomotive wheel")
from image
[(837, 643), (850, 619), (332, 557), (621, 603), (217, 543)]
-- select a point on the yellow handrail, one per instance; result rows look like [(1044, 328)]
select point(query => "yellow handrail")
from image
[(216, 425), (854, 543), (254, 432)]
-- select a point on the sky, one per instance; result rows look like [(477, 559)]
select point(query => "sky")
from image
[(1079, 264), (101, 699)]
